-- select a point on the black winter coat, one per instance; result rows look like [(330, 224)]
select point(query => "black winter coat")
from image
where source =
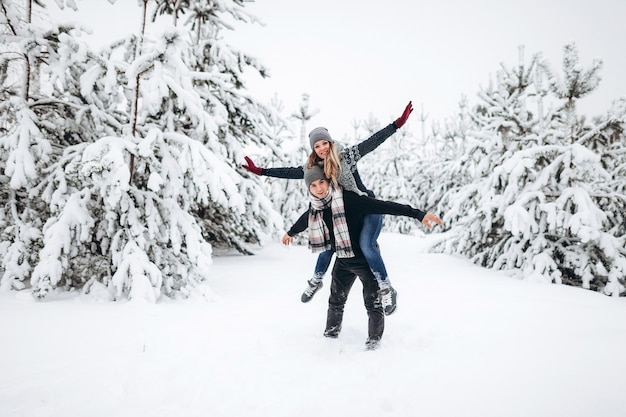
[(356, 207)]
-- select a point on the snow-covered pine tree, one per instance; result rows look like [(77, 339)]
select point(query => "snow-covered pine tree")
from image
[(133, 207), (540, 199), (430, 168), (449, 161), (291, 197), (230, 120), (391, 174), (43, 114)]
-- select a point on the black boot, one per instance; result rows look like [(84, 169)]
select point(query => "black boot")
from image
[(372, 344), (375, 328), (333, 322)]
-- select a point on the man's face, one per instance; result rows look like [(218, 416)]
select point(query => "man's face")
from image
[(319, 188)]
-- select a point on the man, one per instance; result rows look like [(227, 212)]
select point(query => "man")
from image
[(335, 220)]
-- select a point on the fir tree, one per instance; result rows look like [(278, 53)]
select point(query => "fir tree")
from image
[(540, 199), (43, 113), (391, 175), (146, 181), (291, 197)]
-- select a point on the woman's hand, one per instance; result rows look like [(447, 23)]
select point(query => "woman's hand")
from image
[(251, 167), (400, 121)]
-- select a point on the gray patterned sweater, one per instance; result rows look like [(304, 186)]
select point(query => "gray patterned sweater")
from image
[(349, 177)]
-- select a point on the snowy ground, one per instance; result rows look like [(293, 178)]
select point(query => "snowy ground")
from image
[(464, 342)]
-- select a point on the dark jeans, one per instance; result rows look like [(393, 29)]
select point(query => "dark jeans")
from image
[(345, 272)]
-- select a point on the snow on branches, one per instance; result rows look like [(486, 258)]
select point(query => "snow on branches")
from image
[(539, 191)]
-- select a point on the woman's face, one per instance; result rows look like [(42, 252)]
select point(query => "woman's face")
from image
[(322, 148), (319, 188)]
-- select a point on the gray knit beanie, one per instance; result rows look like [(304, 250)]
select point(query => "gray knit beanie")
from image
[(313, 174), (319, 133)]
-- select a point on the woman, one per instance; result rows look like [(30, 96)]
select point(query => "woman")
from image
[(335, 220), (340, 167)]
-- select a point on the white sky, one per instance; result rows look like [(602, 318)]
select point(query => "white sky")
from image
[(465, 342), (356, 58)]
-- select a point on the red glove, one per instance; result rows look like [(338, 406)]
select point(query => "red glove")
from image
[(400, 121), (251, 167)]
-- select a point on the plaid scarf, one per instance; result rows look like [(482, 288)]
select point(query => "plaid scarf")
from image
[(319, 236)]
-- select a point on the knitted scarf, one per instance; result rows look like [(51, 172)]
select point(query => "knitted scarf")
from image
[(319, 236)]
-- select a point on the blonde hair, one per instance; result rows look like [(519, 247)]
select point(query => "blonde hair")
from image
[(331, 165)]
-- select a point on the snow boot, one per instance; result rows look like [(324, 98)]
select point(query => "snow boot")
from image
[(314, 285), (372, 344), (387, 296), (375, 327), (333, 322)]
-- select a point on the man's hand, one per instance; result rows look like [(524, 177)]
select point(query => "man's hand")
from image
[(287, 240), (429, 219)]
